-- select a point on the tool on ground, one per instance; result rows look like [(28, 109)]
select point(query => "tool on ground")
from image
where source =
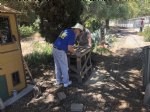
[(37, 90)]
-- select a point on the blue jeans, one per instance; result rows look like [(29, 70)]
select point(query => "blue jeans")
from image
[(61, 66)]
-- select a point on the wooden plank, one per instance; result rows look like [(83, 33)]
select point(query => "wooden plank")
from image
[(86, 61), (88, 50), (79, 69), (73, 68), (87, 69)]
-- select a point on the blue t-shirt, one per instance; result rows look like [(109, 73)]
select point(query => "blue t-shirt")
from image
[(66, 37)]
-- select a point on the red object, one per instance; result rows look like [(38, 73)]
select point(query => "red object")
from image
[(142, 23)]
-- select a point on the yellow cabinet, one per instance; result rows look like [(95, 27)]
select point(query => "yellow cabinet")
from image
[(11, 64)]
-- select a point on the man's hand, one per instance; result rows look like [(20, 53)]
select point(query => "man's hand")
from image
[(71, 49)]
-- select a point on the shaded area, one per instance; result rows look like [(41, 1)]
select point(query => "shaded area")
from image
[(119, 89)]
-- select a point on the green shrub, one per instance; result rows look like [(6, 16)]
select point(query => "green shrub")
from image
[(110, 39), (146, 34), (41, 55), (36, 26), (101, 51), (26, 31)]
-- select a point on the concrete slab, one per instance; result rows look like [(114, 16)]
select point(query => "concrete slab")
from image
[(76, 107), (25, 91), (147, 95), (61, 95)]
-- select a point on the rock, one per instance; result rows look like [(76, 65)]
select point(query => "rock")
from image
[(56, 109), (80, 90), (61, 95), (49, 98), (76, 107), (123, 104), (50, 90), (46, 73), (45, 94)]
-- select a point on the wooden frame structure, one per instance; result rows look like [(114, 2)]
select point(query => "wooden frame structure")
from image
[(80, 64)]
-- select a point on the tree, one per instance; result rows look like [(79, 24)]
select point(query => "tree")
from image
[(144, 6), (133, 9), (55, 15), (27, 16), (107, 10)]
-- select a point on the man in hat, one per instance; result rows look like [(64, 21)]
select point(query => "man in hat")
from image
[(85, 38), (63, 44)]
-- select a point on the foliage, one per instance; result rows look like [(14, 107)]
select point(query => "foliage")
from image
[(26, 7), (146, 34), (26, 31), (103, 10), (133, 9), (55, 15), (110, 39), (96, 38), (144, 7), (41, 55), (36, 23), (101, 50)]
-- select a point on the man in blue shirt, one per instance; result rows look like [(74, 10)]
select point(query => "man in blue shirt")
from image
[(63, 44)]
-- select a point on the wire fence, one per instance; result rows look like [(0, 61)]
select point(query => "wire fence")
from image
[(131, 23)]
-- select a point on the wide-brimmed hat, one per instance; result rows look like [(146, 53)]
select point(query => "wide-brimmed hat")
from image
[(78, 26)]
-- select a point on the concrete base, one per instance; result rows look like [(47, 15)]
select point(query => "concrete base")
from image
[(147, 95), (25, 91), (76, 107), (2, 107)]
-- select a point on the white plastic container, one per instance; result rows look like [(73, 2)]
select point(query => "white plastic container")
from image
[(14, 93), (2, 107)]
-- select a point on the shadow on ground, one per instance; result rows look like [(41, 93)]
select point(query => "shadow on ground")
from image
[(117, 89)]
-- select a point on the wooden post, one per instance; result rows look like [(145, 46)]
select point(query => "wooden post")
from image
[(79, 69), (83, 63)]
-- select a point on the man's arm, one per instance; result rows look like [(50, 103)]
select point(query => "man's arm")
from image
[(89, 40), (71, 49)]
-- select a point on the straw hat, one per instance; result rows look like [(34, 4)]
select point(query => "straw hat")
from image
[(78, 26)]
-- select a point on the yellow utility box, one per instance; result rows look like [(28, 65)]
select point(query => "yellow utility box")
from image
[(12, 75)]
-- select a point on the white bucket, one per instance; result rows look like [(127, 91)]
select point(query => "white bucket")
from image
[(14, 93), (1, 104)]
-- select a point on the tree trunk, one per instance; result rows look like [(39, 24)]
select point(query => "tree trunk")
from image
[(107, 23)]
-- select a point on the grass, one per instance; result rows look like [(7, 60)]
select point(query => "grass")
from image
[(41, 55)]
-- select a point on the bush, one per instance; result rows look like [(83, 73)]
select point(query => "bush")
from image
[(101, 50), (40, 56), (36, 26), (146, 34), (96, 38), (26, 31)]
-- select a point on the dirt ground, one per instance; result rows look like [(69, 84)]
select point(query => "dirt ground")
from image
[(120, 89)]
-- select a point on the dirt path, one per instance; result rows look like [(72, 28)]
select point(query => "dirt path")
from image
[(129, 40), (119, 75)]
